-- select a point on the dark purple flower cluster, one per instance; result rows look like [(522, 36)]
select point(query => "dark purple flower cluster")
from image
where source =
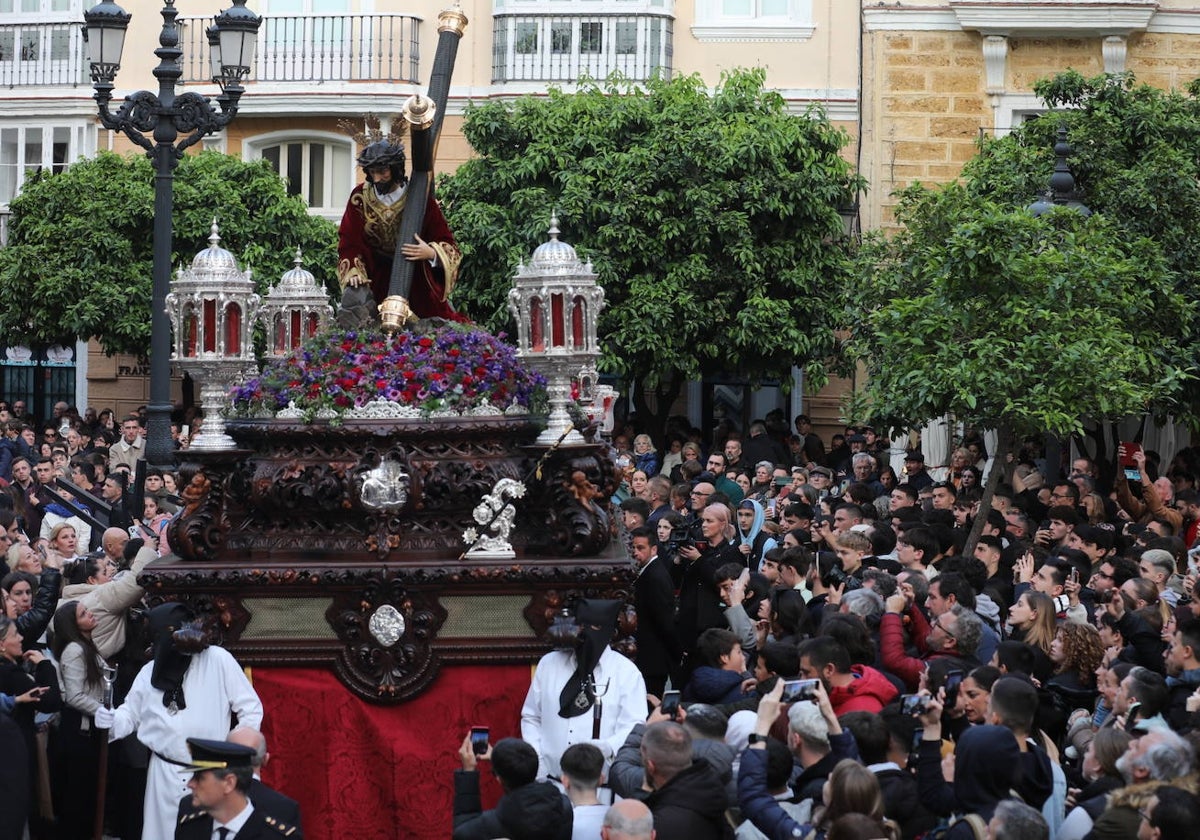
[(456, 367)]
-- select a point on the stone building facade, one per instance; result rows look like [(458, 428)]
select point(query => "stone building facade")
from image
[(938, 75)]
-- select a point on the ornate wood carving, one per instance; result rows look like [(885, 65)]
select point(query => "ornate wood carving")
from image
[(387, 631), (284, 522)]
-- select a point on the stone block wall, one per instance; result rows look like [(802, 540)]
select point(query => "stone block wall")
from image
[(926, 101)]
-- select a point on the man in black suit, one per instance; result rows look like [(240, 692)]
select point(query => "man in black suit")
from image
[(658, 649), (220, 785), (268, 800)]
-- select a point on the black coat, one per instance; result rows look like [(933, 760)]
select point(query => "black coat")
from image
[(658, 650), (536, 811), (260, 826), (691, 806), (271, 802), (700, 605)]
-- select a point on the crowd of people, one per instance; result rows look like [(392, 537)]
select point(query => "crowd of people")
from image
[(85, 712), (822, 652)]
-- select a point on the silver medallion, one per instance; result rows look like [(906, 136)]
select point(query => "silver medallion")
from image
[(386, 625)]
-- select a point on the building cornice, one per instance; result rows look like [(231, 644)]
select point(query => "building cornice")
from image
[(910, 19), (1032, 18), (1054, 17), (48, 106), (1176, 23), (840, 104)]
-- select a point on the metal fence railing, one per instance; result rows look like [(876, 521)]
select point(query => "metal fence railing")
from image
[(317, 48), (565, 48), (42, 54)]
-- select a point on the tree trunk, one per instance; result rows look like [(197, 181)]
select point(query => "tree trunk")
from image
[(1003, 447)]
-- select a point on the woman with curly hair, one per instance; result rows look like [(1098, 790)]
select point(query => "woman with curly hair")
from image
[(1076, 653)]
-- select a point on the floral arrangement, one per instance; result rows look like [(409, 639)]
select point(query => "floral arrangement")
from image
[(455, 369)]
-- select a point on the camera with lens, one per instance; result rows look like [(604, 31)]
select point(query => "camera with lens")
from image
[(685, 536), (836, 576)]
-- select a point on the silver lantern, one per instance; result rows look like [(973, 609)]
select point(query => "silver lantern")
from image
[(557, 303), (295, 310), (213, 308)]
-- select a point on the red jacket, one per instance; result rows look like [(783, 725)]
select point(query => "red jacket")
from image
[(891, 647), (869, 692)]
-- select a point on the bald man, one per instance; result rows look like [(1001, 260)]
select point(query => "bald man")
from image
[(271, 802), (113, 542), (628, 819)]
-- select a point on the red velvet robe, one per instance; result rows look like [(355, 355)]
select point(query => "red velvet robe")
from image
[(367, 248)]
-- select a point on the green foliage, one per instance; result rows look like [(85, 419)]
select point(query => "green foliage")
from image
[(1137, 161), (1014, 322), (79, 259), (710, 218)]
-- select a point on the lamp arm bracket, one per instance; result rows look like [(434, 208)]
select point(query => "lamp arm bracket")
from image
[(196, 117)]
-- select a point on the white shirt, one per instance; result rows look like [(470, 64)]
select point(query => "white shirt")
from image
[(587, 821), (213, 686), (234, 825), (624, 706)]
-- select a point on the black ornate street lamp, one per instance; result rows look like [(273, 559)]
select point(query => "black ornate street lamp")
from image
[(155, 122), (1062, 191)]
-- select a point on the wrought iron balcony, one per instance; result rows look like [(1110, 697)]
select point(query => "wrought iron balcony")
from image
[(317, 48), (42, 55), (564, 48)]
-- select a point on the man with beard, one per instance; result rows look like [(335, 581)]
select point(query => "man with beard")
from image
[(367, 237), (589, 693), (187, 691)]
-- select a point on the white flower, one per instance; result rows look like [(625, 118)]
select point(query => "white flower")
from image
[(470, 535)]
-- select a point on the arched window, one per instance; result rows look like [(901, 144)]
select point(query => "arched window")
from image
[(318, 167)]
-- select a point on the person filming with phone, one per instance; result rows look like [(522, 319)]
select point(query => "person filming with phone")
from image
[(528, 808)]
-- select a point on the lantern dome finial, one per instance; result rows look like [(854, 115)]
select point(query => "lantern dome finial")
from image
[(554, 253), (214, 258)]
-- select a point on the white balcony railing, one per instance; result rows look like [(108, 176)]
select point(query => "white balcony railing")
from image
[(42, 55), (565, 47), (318, 48)]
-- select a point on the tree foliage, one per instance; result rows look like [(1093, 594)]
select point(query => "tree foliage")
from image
[(1010, 321), (79, 259), (1137, 162), (710, 217)]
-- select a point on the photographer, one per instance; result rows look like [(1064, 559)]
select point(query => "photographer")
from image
[(528, 808), (816, 740), (700, 604), (985, 766)]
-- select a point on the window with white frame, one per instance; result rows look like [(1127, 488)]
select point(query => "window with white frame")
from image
[(40, 41), (38, 8), (319, 168), (753, 20), (25, 149)]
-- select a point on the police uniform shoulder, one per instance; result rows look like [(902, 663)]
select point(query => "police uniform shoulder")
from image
[(193, 815), (280, 827)]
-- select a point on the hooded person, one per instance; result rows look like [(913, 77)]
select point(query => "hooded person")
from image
[(753, 542), (188, 690), (987, 767), (588, 692)]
